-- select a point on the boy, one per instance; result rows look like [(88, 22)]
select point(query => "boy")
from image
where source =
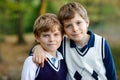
[(87, 55), (48, 33)]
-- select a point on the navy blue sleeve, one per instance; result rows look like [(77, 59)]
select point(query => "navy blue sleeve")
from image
[(109, 63), (30, 52)]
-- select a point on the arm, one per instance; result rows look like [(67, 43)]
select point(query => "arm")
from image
[(38, 55), (29, 69), (109, 63)]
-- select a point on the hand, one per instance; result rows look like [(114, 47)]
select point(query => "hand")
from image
[(39, 55)]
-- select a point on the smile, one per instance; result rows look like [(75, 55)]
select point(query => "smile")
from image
[(75, 34)]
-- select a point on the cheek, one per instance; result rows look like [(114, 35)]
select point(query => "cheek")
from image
[(68, 34), (67, 31), (59, 38), (43, 41)]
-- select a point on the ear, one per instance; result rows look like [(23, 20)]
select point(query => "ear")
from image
[(36, 38), (87, 22)]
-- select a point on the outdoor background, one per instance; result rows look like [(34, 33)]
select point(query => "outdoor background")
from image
[(17, 18)]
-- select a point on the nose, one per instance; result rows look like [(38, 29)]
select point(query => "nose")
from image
[(75, 28), (51, 38)]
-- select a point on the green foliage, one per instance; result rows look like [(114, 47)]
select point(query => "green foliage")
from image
[(28, 21), (107, 10), (31, 14), (8, 14), (98, 11), (52, 7)]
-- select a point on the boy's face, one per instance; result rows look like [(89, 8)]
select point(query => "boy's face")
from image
[(50, 41), (76, 28)]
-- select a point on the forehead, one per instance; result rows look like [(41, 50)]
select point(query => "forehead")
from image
[(53, 31), (76, 17), (51, 28)]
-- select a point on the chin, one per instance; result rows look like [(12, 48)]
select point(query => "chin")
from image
[(75, 38)]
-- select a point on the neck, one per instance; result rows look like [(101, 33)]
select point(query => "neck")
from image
[(53, 54), (84, 41)]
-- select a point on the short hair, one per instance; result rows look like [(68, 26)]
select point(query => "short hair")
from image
[(68, 11), (46, 22)]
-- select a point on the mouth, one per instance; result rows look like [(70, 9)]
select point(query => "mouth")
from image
[(75, 35), (51, 44)]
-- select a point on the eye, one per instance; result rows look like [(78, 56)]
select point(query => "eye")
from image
[(78, 23), (68, 26), (58, 34), (45, 35)]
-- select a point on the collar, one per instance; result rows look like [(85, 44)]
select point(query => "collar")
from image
[(59, 56), (90, 42)]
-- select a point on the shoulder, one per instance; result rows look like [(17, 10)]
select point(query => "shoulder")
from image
[(29, 62), (29, 69), (28, 59), (100, 39), (98, 36), (59, 55)]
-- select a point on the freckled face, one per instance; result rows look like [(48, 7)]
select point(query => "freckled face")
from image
[(50, 41), (76, 28)]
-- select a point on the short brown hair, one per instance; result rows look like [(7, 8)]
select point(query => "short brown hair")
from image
[(68, 11), (46, 22)]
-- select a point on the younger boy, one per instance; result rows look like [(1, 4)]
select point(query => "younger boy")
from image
[(48, 33), (87, 55)]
